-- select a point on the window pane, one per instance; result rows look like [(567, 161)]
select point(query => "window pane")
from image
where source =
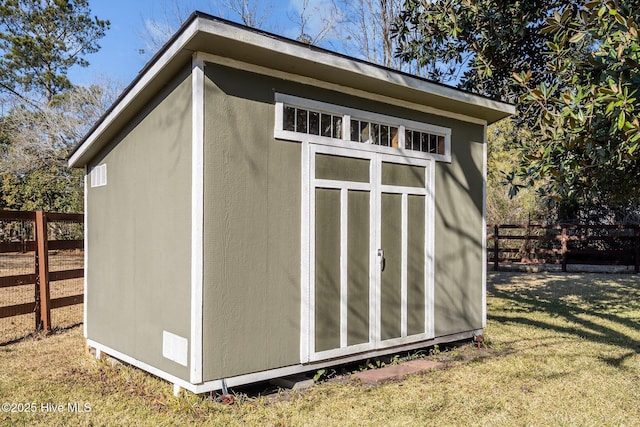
[(407, 139), (314, 123), (289, 119), (364, 131), (375, 134), (337, 127), (355, 130), (394, 137), (424, 142), (433, 143), (384, 135), (302, 121), (440, 144), (416, 141), (325, 125)]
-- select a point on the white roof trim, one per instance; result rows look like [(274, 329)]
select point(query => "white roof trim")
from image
[(351, 65), (146, 78), (234, 63), (227, 30)]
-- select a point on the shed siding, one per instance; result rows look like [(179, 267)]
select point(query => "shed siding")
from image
[(140, 232), (458, 228), (251, 312), (252, 224)]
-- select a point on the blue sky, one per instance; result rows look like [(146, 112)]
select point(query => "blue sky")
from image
[(119, 58)]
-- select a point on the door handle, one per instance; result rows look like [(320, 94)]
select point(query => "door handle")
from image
[(382, 260)]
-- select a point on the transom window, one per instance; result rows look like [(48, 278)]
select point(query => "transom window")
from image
[(373, 133), (301, 119), (311, 122), (423, 141)]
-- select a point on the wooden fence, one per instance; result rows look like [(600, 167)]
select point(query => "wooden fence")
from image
[(564, 244), (41, 227)]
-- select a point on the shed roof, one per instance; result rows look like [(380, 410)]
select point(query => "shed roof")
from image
[(216, 36)]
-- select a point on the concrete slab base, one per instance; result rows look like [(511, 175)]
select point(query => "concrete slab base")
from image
[(392, 372)]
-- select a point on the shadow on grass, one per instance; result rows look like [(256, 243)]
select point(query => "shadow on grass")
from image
[(594, 307), (40, 334)]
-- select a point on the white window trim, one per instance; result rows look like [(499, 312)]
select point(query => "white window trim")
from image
[(347, 113)]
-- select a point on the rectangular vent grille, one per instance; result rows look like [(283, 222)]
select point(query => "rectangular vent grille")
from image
[(174, 348), (99, 175)]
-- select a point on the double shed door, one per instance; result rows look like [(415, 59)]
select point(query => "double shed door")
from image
[(370, 263)]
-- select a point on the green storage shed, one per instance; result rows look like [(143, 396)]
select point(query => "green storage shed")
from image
[(257, 207)]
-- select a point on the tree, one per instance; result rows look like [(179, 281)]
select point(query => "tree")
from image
[(252, 13), (573, 65), (40, 40), (504, 141), (364, 29), (314, 21), (34, 145), (477, 44), (157, 30), (589, 117)]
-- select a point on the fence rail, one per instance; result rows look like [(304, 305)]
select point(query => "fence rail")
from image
[(564, 244), (34, 237)]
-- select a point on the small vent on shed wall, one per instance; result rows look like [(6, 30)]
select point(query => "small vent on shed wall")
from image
[(99, 175), (174, 347)]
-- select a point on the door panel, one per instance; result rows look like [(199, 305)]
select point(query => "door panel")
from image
[(341, 168), (391, 275), (415, 265), (358, 267), (327, 269), (360, 203), (403, 175)]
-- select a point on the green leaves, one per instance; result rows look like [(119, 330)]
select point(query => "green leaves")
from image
[(575, 74), (475, 43), (592, 109), (577, 37), (621, 120), (40, 41)]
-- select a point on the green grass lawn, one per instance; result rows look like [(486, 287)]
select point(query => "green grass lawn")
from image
[(560, 349)]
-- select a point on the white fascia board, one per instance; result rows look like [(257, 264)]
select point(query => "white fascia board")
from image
[(86, 251), (484, 229), (148, 76), (344, 63), (215, 59)]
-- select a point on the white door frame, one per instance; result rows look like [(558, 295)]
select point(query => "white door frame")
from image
[(375, 188)]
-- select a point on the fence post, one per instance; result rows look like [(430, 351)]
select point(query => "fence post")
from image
[(496, 237), (637, 240), (36, 287), (43, 269), (564, 248), (526, 245)]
